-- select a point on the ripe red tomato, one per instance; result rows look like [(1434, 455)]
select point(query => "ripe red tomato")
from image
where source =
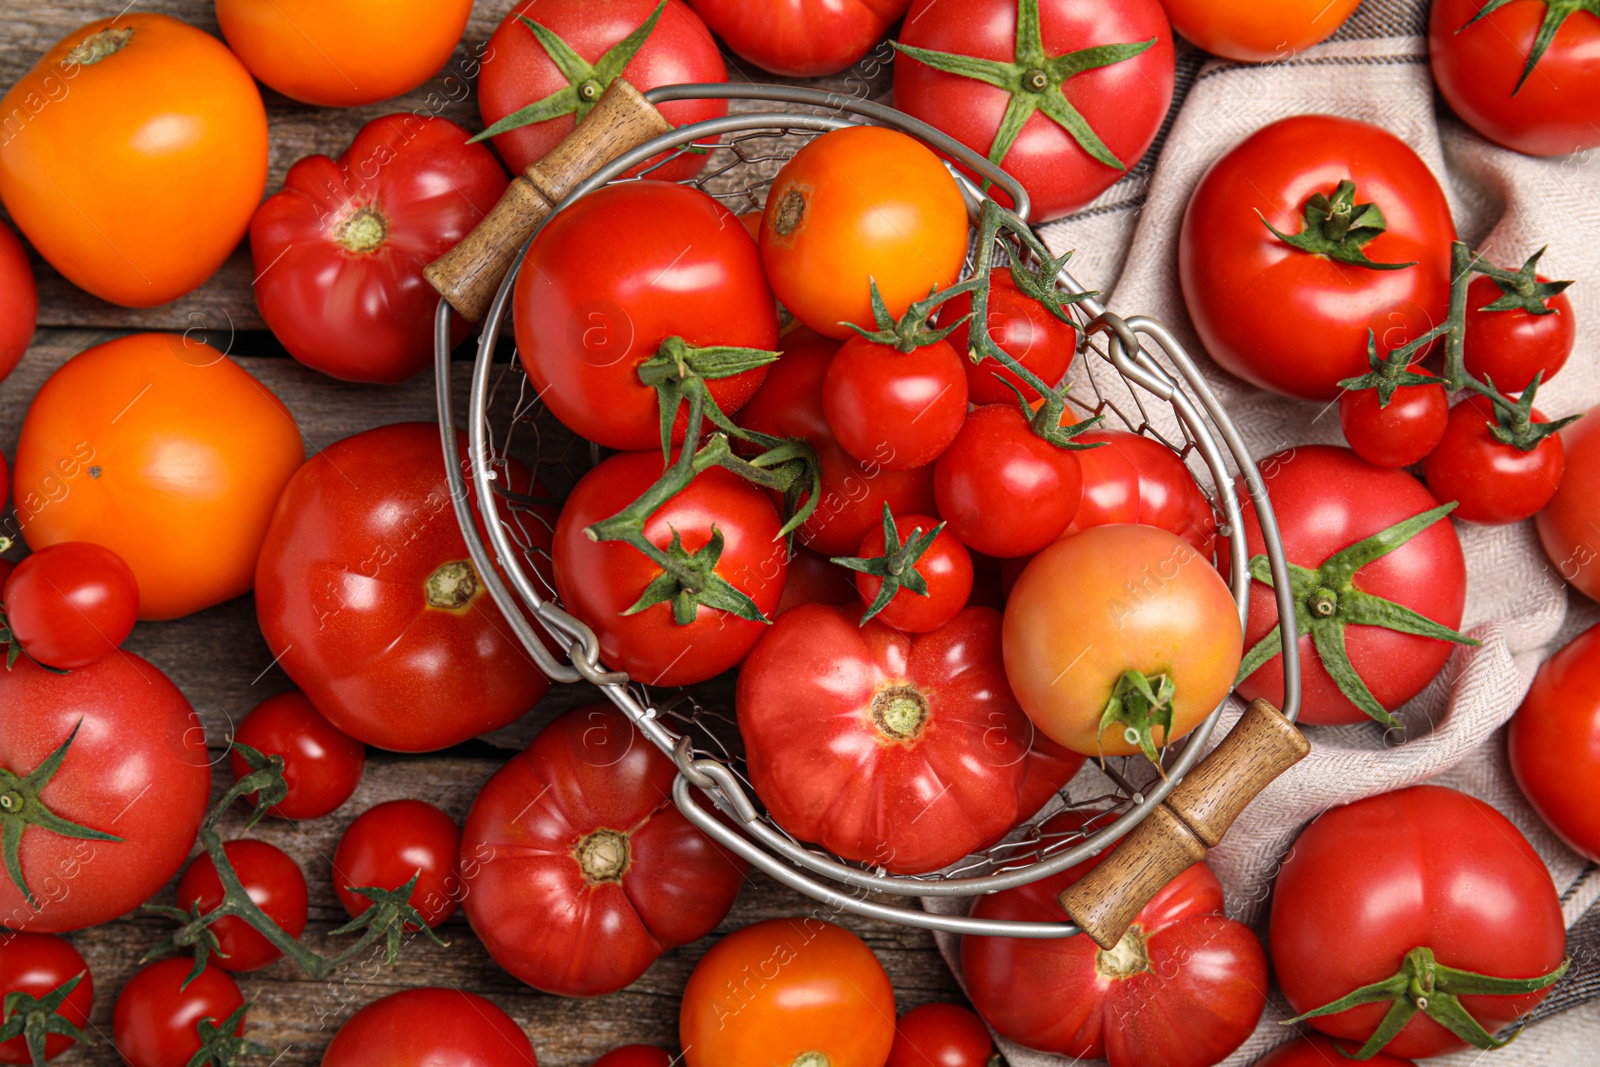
[(1337, 925), (1293, 321), (366, 596), (430, 1025), (1400, 433), (1024, 329), (1121, 100), (1314, 1050), (828, 999), (1568, 524), (1135, 479), (906, 751), (273, 881), (519, 70), (38, 965), (789, 404), (1258, 33), (1482, 69), (635, 1056), (322, 764), (19, 301), (945, 568), (339, 251), (1554, 742), (899, 408), (1494, 483), (941, 1035), (1510, 347), (1004, 490), (813, 578), (158, 1014), (124, 726), (854, 207), (1328, 499), (585, 322), (71, 604), (389, 844), (801, 38), (599, 581), (579, 869)]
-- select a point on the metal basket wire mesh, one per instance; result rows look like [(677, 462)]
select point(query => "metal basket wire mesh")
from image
[(1112, 375)]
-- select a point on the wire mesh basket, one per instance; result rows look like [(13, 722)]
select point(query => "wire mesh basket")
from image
[(1116, 373)]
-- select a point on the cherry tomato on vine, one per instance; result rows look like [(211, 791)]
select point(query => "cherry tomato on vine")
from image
[(899, 408), (19, 301), (1493, 482), (1315, 1050), (430, 1026), (273, 881), (635, 1056), (387, 845), (1258, 33), (1512, 347), (71, 604), (322, 764), (157, 1019), (941, 1035), (801, 38), (1024, 329), (1554, 742), (1136, 479), (945, 568), (1004, 490), (37, 966), (1400, 433), (1569, 523)]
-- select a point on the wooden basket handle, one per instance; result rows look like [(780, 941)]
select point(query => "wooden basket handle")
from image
[(469, 274), (1193, 818)]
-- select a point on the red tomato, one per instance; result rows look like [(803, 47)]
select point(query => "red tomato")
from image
[(389, 844), (1122, 101), (519, 70), (1495, 483), (1568, 523), (636, 1056), (124, 726), (945, 567), (1314, 1050), (367, 598), (901, 750), (1135, 479), (585, 323), (1050, 767), (1258, 33), (801, 38), (579, 869), (19, 301), (38, 965), (432, 1026), (339, 251), (1482, 69), (1004, 490), (1439, 870), (1400, 433), (1024, 329), (828, 1000), (157, 1019), (789, 404), (1511, 347), (1554, 742), (599, 581), (322, 764), (899, 408), (71, 604), (941, 1035), (272, 880), (1326, 500), (1296, 322), (813, 578)]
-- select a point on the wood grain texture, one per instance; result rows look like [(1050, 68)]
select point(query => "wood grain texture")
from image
[(1105, 901)]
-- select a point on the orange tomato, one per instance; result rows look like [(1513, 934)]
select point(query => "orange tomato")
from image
[(168, 453), (132, 156), (861, 204), (1256, 32), (340, 53), (787, 993)]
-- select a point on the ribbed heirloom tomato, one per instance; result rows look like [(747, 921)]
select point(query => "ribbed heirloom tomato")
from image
[(38, 965), (800, 38), (433, 1026)]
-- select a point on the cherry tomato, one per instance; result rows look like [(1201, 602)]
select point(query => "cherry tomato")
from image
[(946, 567), (1569, 525), (272, 880), (1400, 433), (38, 965), (1136, 479), (1511, 347), (1315, 1050), (132, 215), (158, 1014), (635, 1056), (322, 764), (854, 207), (941, 1035), (828, 998), (899, 408), (71, 604), (430, 1026), (1004, 490), (389, 844), (1494, 483), (1296, 322), (19, 301), (1554, 742), (1024, 329), (801, 38), (1258, 33)]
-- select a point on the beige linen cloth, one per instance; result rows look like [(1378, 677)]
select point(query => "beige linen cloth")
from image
[(1507, 205)]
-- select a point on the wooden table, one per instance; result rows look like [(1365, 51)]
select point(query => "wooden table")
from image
[(221, 663)]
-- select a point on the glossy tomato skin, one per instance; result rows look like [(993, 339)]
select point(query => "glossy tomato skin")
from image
[(38, 965), (813, 578), (579, 869), (339, 251), (940, 1035), (1004, 490), (19, 301), (1315, 1050), (1400, 433), (801, 38), (389, 843), (71, 603), (1439, 869), (789, 404), (1326, 500), (274, 882), (907, 406), (1258, 33), (1476, 68), (181, 484), (322, 764), (635, 1056), (1124, 103), (1024, 329), (829, 996), (156, 1022), (946, 567), (1568, 522), (858, 206), (1511, 347), (343, 597), (1554, 742), (1132, 478), (440, 1027), (599, 581), (1290, 321), (1493, 483), (585, 320), (517, 71), (135, 218), (133, 727)]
